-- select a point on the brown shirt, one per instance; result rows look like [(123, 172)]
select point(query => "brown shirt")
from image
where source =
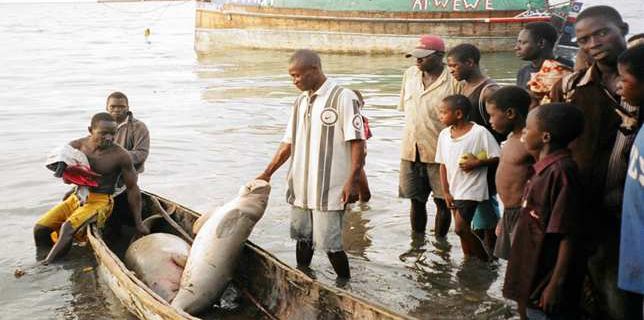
[(550, 210), (133, 135), (593, 148)]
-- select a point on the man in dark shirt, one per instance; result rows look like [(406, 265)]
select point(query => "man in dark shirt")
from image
[(542, 269), (535, 43), (133, 135)]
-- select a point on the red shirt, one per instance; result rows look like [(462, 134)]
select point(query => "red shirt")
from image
[(551, 209)]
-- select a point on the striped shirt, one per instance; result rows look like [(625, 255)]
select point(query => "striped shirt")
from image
[(319, 130)]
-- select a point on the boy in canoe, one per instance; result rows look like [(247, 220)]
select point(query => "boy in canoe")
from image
[(109, 161)]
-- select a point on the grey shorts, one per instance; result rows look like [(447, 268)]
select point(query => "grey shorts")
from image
[(322, 228), (418, 179), (508, 224)]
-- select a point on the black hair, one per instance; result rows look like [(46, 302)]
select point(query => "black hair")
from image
[(117, 95), (464, 52), (307, 58), (633, 60), (101, 116), (635, 37), (542, 31), (459, 102), (606, 12), (564, 122), (511, 97)]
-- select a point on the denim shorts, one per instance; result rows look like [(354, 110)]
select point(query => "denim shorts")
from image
[(322, 228)]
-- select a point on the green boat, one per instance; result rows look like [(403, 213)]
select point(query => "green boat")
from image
[(365, 26)]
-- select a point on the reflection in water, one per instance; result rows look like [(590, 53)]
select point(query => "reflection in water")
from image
[(355, 238)]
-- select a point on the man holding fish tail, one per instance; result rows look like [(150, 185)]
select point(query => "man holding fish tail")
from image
[(325, 141)]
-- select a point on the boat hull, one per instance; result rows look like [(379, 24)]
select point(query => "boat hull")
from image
[(275, 288), (227, 26)]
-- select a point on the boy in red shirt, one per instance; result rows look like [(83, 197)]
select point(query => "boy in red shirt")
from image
[(541, 271)]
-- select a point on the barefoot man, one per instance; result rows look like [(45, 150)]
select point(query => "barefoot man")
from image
[(110, 161)]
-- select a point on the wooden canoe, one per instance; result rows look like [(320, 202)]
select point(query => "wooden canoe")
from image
[(277, 290)]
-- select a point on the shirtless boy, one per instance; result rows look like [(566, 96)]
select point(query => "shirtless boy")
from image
[(110, 161), (508, 109)]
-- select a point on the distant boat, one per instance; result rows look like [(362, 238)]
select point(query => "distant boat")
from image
[(365, 26)]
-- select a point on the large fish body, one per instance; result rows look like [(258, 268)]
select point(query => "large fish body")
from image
[(158, 260), (217, 246)]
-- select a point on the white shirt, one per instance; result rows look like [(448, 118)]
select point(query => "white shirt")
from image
[(466, 185), (320, 135)]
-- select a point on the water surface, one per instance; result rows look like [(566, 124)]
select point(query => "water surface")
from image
[(215, 122)]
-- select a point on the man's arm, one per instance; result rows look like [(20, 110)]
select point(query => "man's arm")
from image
[(357, 160), (141, 147), (281, 155), (133, 193)]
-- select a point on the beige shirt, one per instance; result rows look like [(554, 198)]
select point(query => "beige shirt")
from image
[(420, 106)]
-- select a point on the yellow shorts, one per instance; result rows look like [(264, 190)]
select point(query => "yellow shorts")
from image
[(98, 205)]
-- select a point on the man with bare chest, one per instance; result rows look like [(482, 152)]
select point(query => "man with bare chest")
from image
[(110, 161)]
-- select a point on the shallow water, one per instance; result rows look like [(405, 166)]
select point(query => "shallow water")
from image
[(215, 122)]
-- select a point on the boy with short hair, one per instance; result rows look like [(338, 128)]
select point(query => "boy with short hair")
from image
[(508, 109), (543, 270), (630, 65), (465, 150)]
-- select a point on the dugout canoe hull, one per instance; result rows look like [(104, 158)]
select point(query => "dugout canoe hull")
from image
[(280, 291)]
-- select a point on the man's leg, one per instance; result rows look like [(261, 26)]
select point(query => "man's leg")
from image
[(443, 218), (302, 233), (327, 235), (52, 220), (42, 236), (63, 244), (413, 185), (418, 216)]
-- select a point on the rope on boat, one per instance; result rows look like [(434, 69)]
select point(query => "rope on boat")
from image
[(171, 221)]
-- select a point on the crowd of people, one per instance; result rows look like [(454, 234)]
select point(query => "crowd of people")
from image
[(555, 148), (560, 153)]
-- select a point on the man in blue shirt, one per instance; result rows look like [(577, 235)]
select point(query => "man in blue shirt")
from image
[(631, 251)]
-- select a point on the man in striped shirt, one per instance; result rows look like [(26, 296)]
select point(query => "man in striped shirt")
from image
[(325, 141)]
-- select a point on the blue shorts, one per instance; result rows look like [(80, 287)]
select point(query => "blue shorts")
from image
[(486, 215)]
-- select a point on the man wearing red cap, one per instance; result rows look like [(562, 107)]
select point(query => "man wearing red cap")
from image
[(423, 87)]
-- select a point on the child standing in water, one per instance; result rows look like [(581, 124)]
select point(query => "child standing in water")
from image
[(465, 150), (542, 272), (508, 109)]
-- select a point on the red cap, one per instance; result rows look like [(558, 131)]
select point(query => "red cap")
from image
[(427, 44)]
